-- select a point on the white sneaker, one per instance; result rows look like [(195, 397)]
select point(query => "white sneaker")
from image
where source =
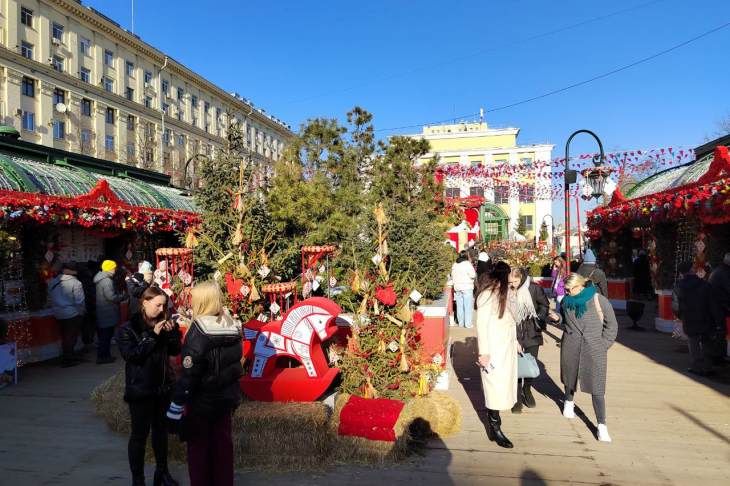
[(569, 410), (603, 433)]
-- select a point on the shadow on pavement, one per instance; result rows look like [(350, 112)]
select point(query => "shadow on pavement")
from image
[(700, 423), (464, 357), (666, 350)]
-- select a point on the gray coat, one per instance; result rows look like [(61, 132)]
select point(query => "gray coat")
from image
[(107, 300), (584, 347)]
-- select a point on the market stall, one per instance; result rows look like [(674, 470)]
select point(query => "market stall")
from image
[(58, 207), (680, 214)]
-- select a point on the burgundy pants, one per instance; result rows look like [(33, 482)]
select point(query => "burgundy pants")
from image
[(210, 450)]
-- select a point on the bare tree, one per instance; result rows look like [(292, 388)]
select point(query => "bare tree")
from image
[(145, 153), (723, 126)]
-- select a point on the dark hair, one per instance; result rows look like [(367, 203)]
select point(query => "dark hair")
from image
[(149, 294), (496, 280), (462, 257), (684, 267)]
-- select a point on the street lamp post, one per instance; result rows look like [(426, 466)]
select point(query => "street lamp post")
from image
[(190, 186), (552, 229), (595, 176)]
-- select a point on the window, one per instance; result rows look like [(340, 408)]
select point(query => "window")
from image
[(29, 121), (26, 50), (130, 122), (527, 193), (475, 163), (165, 86), (130, 150), (166, 160), (57, 63), (148, 101), (59, 129), (130, 93), (85, 46), (500, 161), (207, 127), (525, 161), (130, 69), (85, 137), (476, 191), (26, 16), (218, 113), (180, 115), (58, 32), (28, 87), (181, 139), (108, 85), (59, 96), (526, 221), (501, 194), (194, 101), (147, 76), (206, 107), (85, 107), (109, 143), (195, 122), (110, 116), (453, 192), (108, 58), (166, 136), (85, 75), (165, 108), (180, 94)]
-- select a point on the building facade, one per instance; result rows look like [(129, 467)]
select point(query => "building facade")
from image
[(481, 161), (73, 79)]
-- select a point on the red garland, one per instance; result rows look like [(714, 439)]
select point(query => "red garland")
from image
[(99, 209)]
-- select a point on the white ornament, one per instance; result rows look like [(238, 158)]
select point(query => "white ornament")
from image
[(309, 275), (129, 254), (333, 281), (217, 275), (245, 290), (49, 256), (315, 285), (264, 271), (322, 269), (376, 259), (415, 296), (307, 289), (393, 346), (437, 359), (274, 308), (609, 187)]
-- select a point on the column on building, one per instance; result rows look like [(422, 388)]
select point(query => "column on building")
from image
[(514, 196), (464, 184), (13, 98), (45, 113), (489, 187)]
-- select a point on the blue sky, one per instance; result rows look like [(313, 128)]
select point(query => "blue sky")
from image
[(418, 62)]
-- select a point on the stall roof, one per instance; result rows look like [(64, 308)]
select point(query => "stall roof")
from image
[(672, 178), (31, 168)]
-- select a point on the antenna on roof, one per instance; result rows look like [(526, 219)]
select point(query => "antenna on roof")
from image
[(481, 115)]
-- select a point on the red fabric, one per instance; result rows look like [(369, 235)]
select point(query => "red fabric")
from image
[(386, 295), (373, 419), (472, 216)]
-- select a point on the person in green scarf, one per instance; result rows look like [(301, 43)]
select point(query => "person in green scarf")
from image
[(590, 330)]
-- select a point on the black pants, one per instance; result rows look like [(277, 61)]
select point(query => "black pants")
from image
[(700, 352), (70, 329), (148, 413), (105, 342), (89, 328)]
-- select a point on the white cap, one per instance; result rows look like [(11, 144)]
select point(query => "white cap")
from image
[(483, 256), (145, 267)]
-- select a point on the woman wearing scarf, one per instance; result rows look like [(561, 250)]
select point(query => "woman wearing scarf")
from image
[(497, 339), (532, 310), (590, 329)]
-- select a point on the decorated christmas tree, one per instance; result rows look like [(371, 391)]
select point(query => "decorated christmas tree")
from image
[(382, 359)]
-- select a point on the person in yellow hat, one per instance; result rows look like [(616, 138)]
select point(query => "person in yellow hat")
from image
[(107, 310)]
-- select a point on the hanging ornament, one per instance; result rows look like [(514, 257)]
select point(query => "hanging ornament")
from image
[(49, 256), (332, 282), (376, 259), (309, 275), (191, 241), (315, 285), (245, 290), (380, 217), (322, 269), (422, 385), (370, 391), (355, 285), (587, 192), (437, 359), (217, 275), (129, 253), (384, 248), (243, 268), (404, 366), (381, 346), (221, 261), (264, 271), (238, 235), (264, 258), (404, 313), (254, 296), (307, 289), (393, 346), (363, 305), (415, 296), (274, 308)]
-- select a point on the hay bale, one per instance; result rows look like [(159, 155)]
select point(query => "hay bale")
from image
[(436, 414), (282, 435)]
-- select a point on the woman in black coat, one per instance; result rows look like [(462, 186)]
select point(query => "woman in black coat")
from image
[(146, 342), (532, 311)]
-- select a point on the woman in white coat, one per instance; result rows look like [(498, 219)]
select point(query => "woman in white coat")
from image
[(497, 337)]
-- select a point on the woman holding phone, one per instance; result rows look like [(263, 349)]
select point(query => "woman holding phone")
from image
[(146, 342), (498, 347)]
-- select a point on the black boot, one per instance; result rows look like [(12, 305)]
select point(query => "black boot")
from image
[(163, 478), (494, 430), (518, 405), (138, 481), (527, 397)]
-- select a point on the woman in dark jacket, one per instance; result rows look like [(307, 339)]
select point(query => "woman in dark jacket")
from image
[(590, 329), (146, 343), (208, 390), (532, 311)]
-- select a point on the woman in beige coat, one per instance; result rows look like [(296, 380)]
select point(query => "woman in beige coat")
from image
[(497, 337)]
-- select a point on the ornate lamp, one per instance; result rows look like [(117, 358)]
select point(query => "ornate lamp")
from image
[(597, 177)]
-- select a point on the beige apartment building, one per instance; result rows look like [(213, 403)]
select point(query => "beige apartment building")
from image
[(73, 79)]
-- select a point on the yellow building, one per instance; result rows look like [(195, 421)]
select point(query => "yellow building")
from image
[(73, 79), (523, 197)]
